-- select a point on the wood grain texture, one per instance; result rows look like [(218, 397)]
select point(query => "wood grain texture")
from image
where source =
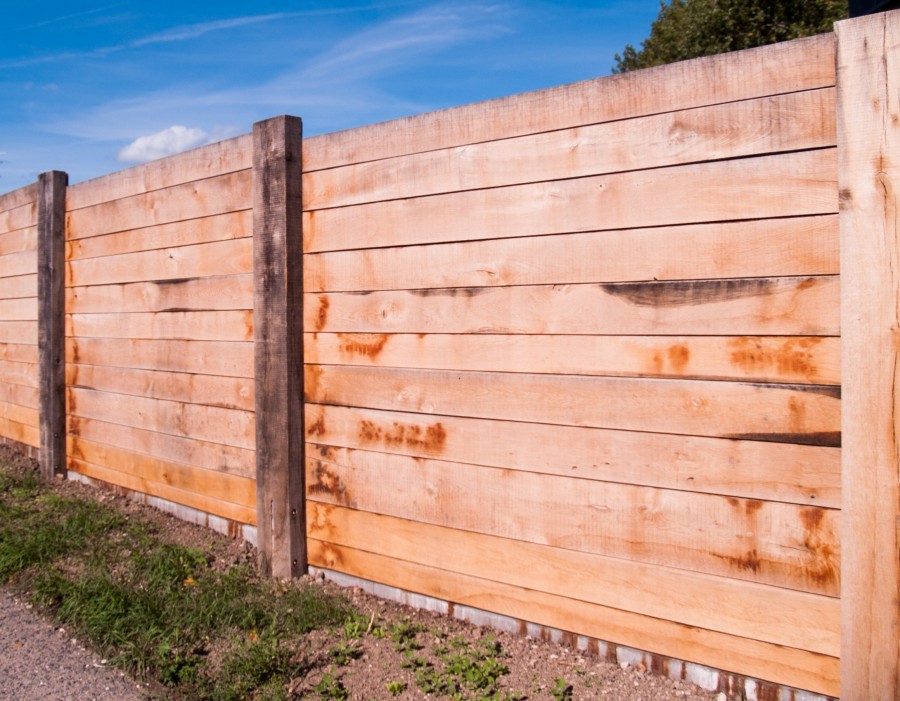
[(771, 614), (23, 433), (808, 306), (278, 345), (206, 423), (16, 198), (704, 81), (800, 474), (19, 373), (191, 200), (868, 62), (791, 359), (219, 227), (20, 394), (21, 263), (791, 184), (21, 309), (187, 451), (183, 294), (232, 257), (789, 666), (19, 353), (19, 217), (791, 122), (19, 332), (225, 392), (197, 164), (19, 286), (50, 303), (225, 359), (797, 547), (197, 326), (19, 240), (760, 248)]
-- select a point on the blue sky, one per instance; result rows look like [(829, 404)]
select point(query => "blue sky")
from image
[(94, 87)]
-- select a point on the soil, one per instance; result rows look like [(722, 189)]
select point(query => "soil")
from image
[(40, 660)]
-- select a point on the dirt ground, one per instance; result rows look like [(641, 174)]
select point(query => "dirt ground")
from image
[(41, 661)]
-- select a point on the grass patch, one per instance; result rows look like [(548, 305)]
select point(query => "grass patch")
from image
[(158, 609)]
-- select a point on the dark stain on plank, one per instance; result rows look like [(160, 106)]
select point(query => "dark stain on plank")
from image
[(429, 439), (322, 314), (825, 439), (369, 345), (451, 292), (327, 483), (679, 293), (793, 357), (833, 391)]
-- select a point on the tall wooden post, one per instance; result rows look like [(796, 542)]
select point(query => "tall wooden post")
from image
[(868, 94), (51, 320), (278, 338)]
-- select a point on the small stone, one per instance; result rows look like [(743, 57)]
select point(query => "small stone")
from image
[(721, 697)]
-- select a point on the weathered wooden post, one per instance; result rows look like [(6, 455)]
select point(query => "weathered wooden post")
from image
[(51, 271), (868, 93), (278, 338)]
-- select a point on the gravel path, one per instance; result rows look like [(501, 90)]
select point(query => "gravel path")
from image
[(40, 662)]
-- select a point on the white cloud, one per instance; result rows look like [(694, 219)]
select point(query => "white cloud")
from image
[(163, 143)]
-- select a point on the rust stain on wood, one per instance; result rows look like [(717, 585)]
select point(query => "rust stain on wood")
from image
[(430, 439), (317, 428), (692, 292), (327, 483), (794, 356), (679, 356), (312, 375), (823, 564), (322, 314), (369, 345)]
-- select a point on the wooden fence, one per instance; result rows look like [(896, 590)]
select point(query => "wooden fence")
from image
[(616, 358)]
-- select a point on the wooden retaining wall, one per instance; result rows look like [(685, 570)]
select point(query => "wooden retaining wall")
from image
[(615, 358)]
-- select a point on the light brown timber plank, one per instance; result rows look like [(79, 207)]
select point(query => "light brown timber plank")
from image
[(740, 75), (868, 62), (800, 474), (219, 227), (226, 359), (790, 122), (745, 609), (225, 392), (29, 434), (761, 248), (785, 545), (18, 240), (19, 373), (797, 668), (798, 359), (18, 353), (188, 451), (213, 424), (793, 306), (20, 414), (232, 257), (20, 309), (20, 217), (791, 184), (193, 200), (19, 332), (197, 164), (210, 483), (783, 413), (16, 198), (21, 263), (200, 294), (197, 326), (22, 395), (19, 286), (136, 483)]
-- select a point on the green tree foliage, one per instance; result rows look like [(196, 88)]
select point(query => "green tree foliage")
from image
[(691, 28)]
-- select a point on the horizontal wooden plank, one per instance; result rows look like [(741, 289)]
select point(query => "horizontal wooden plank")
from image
[(210, 483), (188, 451), (222, 358), (797, 359), (197, 164), (761, 248), (225, 392), (771, 614), (740, 75), (784, 413), (18, 353), (23, 433), (800, 474), (206, 423), (18, 241), (192, 200), (19, 286), (785, 545), (198, 326), (199, 294), (797, 668), (16, 198), (22, 395), (233, 257), (790, 122), (791, 184), (19, 332), (19, 373), (794, 306), (21, 263), (20, 414), (136, 483), (21, 309), (21, 217), (220, 227)]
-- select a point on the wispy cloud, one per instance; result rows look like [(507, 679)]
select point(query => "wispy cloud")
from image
[(167, 142)]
